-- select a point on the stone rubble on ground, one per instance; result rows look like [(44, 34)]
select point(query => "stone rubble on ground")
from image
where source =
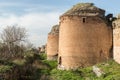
[(61, 67), (97, 71)]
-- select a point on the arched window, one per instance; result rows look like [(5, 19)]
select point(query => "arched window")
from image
[(84, 19)]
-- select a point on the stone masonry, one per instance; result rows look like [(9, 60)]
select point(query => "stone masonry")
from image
[(116, 39), (85, 37)]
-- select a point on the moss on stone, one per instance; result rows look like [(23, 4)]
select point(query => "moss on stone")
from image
[(81, 8)]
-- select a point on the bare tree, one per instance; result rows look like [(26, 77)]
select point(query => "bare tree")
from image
[(12, 36), (29, 45)]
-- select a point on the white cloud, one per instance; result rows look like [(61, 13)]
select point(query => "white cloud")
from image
[(15, 4), (37, 24), (4, 4)]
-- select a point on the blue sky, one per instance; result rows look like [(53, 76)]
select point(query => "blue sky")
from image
[(20, 6), (38, 16)]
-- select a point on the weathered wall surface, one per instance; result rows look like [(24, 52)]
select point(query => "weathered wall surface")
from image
[(52, 43), (52, 46), (116, 40), (83, 43)]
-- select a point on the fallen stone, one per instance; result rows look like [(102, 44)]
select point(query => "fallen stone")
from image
[(97, 71), (61, 67)]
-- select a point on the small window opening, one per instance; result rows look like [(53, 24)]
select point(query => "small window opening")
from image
[(60, 60), (84, 20)]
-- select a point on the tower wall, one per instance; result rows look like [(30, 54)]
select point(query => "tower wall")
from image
[(83, 41), (116, 40), (52, 43)]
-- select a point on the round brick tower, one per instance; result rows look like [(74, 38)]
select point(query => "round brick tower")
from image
[(52, 43), (85, 37)]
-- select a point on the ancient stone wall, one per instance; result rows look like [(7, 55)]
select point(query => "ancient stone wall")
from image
[(116, 40), (85, 9), (52, 43), (83, 41)]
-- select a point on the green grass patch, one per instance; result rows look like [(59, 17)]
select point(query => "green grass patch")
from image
[(65, 75), (5, 68), (50, 64), (39, 68), (111, 70), (43, 56)]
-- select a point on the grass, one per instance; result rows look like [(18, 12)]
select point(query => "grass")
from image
[(5, 68), (65, 75), (47, 70), (50, 64), (110, 68)]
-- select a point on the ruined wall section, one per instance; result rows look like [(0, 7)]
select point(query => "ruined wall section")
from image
[(83, 41), (52, 43), (85, 9), (116, 40)]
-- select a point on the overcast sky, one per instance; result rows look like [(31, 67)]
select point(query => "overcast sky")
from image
[(38, 16)]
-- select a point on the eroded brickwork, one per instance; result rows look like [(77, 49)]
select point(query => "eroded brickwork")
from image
[(52, 43), (116, 40), (84, 40), (85, 37)]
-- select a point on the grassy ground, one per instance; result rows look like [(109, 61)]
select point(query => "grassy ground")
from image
[(36, 67), (110, 68)]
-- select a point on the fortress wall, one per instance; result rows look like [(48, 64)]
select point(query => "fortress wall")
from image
[(116, 41), (52, 46), (83, 42)]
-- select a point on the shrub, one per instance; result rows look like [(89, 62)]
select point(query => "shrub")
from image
[(5, 68), (51, 64)]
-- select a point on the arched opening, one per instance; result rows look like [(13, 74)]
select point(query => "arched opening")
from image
[(60, 60)]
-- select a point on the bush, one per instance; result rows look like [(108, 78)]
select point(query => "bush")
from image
[(43, 56), (19, 61), (50, 64), (5, 68)]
